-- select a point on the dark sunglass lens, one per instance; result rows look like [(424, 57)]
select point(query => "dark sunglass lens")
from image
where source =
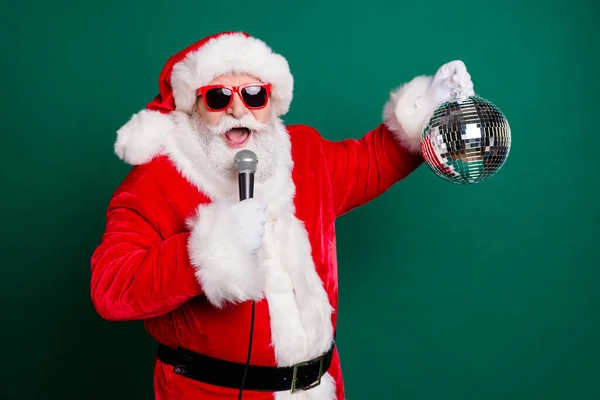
[(255, 96), (218, 98)]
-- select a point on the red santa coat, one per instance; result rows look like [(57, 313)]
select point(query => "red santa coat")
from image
[(167, 258)]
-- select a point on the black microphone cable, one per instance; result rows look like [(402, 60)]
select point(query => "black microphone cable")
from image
[(249, 351)]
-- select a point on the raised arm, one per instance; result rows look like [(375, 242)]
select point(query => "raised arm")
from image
[(362, 169)]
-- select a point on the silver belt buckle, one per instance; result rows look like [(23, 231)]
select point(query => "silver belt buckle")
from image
[(295, 374)]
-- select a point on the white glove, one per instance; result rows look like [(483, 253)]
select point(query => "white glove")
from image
[(451, 78), (249, 219)]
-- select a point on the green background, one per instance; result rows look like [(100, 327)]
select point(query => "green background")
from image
[(447, 292)]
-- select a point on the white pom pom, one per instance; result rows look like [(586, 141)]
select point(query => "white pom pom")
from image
[(143, 137)]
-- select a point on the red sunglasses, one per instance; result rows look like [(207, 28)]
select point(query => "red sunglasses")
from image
[(219, 97)]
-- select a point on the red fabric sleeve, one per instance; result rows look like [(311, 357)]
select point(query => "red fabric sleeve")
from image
[(362, 169), (136, 273)]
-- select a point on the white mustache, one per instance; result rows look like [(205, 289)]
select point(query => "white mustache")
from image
[(227, 123)]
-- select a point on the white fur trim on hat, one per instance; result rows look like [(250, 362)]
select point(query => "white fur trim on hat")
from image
[(407, 112), (143, 136), (232, 53)]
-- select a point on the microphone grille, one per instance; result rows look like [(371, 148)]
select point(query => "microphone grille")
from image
[(245, 161)]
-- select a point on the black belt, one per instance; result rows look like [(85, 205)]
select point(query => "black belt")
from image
[(301, 376)]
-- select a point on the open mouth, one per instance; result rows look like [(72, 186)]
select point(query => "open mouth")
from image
[(237, 137)]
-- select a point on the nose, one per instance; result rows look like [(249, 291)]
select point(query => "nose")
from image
[(237, 107)]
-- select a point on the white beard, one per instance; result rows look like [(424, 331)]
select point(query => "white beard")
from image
[(266, 140)]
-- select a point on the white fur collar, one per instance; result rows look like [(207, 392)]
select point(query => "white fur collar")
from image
[(299, 306)]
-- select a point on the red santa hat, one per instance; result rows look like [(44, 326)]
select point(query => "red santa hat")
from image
[(143, 135)]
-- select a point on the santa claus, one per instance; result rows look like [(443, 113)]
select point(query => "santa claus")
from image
[(241, 296)]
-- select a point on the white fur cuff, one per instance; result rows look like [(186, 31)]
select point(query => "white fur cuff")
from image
[(407, 112), (225, 270)]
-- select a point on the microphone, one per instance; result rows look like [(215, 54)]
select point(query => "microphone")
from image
[(245, 162)]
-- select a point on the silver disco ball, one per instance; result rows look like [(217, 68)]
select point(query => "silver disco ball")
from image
[(466, 140)]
